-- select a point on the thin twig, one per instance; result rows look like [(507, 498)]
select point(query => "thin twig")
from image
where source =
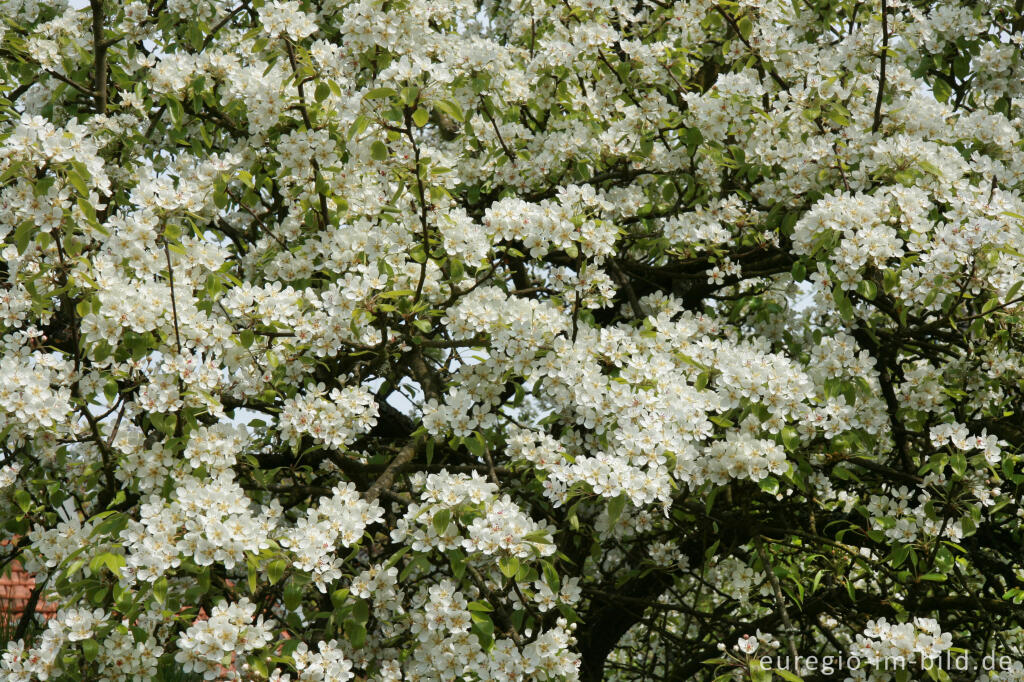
[(501, 140), (100, 56), (174, 305), (780, 600), (881, 69)]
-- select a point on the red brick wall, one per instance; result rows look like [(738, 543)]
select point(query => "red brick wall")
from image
[(15, 590)]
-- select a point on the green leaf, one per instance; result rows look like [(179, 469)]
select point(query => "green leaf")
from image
[(867, 289), (356, 633), (845, 307), (790, 438), (379, 93), (160, 590), (441, 520), (338, 597), (959, 463), (458, 563), (745, 26), (292, 595), (615, 507), (275, 570), (786, 675), (23, 235), (90, 649), (509, 566), (452, 109), (23, 499), (480, 606), (475, 444), (550, 575), (113, 562), (378, 151), (322, 91), (78, 183), (361, 611), (175, 109), (758, 673), (899, 555), (358, 126), (420, 117), (409, 94)]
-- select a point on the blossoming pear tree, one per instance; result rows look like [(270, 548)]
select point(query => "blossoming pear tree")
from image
[(512, 340)]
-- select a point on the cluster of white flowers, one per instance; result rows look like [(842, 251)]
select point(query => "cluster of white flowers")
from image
[(477, 519), (80, 623), (342, 519), (215, 447), (326, 665), (9, 474), (39, 662), (27, 401), (122, 659), (207, 520), (208, 645), (546, 599), (901, 522), (916, 641), (444, 623), (286, 18), (544, 225), (51, 546), (334, 419), (380, 585), (959, 437)]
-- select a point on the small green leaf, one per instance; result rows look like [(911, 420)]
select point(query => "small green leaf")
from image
[(452, 109), (292, 595), (338, 598), (275, 570), (361, 611), (379, 93), (615, 507), (23, 235), (396, 293), (160, 590), (420, 117), (78, 183), (441, 520), (410, 94), (90, 649), (867, 289), (378, 151), (509, 566), (550, 575), (356, 633)]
